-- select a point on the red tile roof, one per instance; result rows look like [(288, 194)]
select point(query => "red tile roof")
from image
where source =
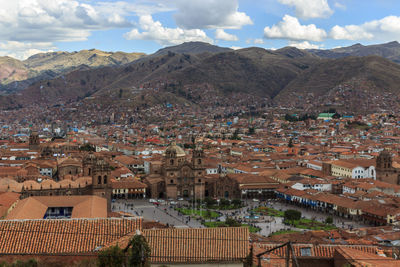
[(62, 236), (198, 245)]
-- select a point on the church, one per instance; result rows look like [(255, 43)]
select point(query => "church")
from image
[(94, 167), (385, 171), (178, 176)]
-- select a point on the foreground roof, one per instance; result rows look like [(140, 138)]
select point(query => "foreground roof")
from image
[(227, 244), (62, 236)]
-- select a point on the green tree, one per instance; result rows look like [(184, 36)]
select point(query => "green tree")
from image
[(224, 202), (138, 251), (87, 147), (207, 214), (292, 215), (111, 257), (231, 222), (290, 142), (236, 202), (329, 220), (210, 202), (235, 135), (252, 130)]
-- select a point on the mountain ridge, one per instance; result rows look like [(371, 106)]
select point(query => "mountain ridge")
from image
[(287, 76)]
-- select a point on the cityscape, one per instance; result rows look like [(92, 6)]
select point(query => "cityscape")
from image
[(276, 149)]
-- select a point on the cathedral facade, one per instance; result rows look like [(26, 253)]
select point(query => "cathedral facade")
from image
[(179, 176)]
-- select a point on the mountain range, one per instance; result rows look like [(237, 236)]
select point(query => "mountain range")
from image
[(305, 79), (17, 75)]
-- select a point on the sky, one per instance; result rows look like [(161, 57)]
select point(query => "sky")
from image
[(28, 27)]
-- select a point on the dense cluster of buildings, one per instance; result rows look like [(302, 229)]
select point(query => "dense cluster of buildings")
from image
[(346, 166)]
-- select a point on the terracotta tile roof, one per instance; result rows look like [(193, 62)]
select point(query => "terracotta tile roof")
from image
[(82, 206), (318, 250), (359, 258), (62, 236), (244, 178), (198, 245), (7, 200), (128, 183)]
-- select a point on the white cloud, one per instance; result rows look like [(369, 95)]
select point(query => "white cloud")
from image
[(254, 41), (154, 30), (385, 29), (57, 20), (291, 29), (304, 45), (210, 14), (349, 32), (26, 24), (21, 50), (220, 34), (307, 9), (340, 6)]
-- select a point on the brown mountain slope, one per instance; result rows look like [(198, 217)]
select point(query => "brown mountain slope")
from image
[(12, 70), (289, 76), (60, 61), (251, 71), (327, 74), (389, 51), (353, 84), (16, 75)]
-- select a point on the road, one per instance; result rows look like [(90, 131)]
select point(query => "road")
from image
[(151, 212)]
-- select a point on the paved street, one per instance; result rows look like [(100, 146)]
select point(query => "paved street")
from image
[(151, 212)]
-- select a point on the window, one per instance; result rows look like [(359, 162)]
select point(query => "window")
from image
[(171, 162), (99, 180), (199, 180), (172, 181), (105, 179), (199, 161), (305, 251)]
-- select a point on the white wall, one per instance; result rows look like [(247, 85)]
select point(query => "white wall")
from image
[(360, 172)]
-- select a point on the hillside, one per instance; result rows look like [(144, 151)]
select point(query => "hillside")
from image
[(12, 70), (252, 71), (191, 48), (61, 61), (286, 77), (390, 51), (350, 83), (16, 75)]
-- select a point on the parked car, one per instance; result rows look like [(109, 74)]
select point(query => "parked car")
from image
[(173, 203), (151, 200), (256, 200)]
